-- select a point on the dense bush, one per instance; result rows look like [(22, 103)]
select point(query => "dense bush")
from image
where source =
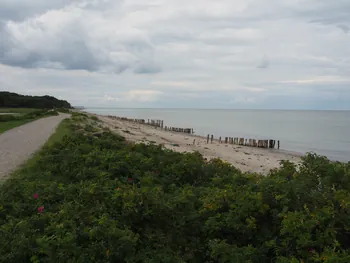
[(89, 199), (14, 100)]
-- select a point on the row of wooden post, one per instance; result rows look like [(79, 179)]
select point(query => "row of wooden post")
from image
[(142, 121), (183, 130), (246, 142), (154, 123), (227, 140)]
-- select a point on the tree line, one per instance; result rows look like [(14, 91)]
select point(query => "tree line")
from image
[(14, 100)]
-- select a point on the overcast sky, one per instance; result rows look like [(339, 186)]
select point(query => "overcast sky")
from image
[(259, 54)]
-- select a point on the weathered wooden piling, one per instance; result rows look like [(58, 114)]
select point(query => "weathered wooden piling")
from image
[(226, 140), (272, 144), (211, 138), (220, 139), (207, 138)]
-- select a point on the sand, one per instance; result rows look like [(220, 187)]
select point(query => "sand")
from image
[(247, 159)]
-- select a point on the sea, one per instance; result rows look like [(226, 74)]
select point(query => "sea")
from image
[(326, 133)]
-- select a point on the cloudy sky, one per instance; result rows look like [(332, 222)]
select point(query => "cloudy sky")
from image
[(259, 54)]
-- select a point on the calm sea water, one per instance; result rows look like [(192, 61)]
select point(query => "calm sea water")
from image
[(324, 132)]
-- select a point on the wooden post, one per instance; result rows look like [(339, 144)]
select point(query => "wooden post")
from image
[(278, 144), (211, 138), (225, 139), (220, 139), (207, 138)]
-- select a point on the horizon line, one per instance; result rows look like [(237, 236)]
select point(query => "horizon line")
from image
[(142, 108)]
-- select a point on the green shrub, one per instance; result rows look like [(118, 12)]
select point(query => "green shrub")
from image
[(105, 200)]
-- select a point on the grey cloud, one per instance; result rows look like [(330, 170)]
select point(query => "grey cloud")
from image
[(265, 63), (345, 28), (147, 68), (74, 46), (328, 12), (18, 10), (205, 53)]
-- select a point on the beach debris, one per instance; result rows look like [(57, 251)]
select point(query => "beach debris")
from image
[(175, 144)]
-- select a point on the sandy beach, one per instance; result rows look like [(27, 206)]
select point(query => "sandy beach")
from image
[(248, 159)]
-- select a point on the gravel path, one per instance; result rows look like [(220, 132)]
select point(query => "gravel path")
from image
[(18, 144)]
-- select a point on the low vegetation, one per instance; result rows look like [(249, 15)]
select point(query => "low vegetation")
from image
[(10, 121), (17, 110), (92, 197)]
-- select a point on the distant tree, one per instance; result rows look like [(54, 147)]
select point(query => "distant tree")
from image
[(14, 100)]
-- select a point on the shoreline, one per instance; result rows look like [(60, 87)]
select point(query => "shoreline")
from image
[(245, 158)]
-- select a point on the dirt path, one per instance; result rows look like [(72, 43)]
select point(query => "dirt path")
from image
[(18, 144)]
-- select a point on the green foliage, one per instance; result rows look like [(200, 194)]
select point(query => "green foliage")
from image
[(106, 200), (14, 100), (16, 110)]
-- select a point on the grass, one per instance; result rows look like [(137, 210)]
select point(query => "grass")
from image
[(5, 126), (17, 110), (62, 130)]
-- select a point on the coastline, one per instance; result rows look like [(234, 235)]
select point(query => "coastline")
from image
[(245, 158)]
